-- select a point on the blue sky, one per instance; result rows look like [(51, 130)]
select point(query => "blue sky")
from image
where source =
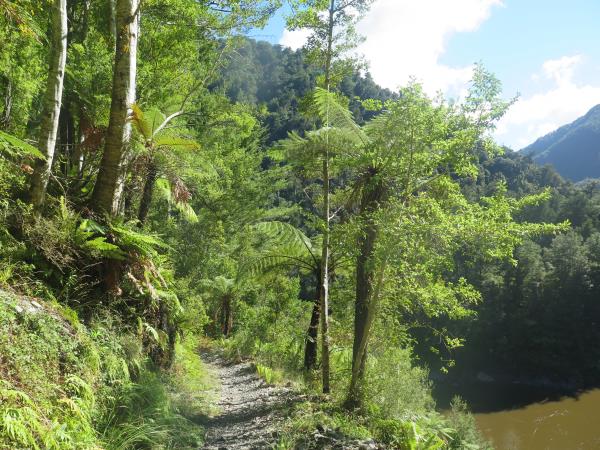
[(547, 50)]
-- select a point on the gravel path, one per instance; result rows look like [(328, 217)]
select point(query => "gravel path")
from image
[(250, 411)]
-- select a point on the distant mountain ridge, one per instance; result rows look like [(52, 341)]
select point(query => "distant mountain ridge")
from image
[(573, 149)]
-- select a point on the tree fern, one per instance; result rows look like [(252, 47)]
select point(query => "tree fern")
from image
[(285, 246)]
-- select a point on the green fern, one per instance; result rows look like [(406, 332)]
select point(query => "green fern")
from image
[(285, 246), (13, 143), (285, 235), (336, 115)]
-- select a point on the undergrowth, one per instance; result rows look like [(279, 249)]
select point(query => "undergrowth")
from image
[(64, 385)]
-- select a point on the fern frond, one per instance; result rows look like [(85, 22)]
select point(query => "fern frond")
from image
[(167, 140), (163, 188), (20, 145), (269, 262), (146, 123), (187, 212), (285, 235), (142, 243), (105, 249), (336, 115)]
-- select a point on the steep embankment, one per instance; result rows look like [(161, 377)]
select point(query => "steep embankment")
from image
[(65, 385)]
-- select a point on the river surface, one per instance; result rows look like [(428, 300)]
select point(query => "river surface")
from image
[(514, 416), (568, 423)]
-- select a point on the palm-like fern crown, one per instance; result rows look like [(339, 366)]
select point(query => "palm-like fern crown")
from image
[(283, 245)]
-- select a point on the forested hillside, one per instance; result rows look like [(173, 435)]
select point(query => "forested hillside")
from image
[(573, 150), (279, 80), (173, 194)]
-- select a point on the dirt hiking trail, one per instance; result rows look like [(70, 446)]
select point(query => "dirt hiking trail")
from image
[(250, 412)]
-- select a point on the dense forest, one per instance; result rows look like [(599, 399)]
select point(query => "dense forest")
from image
[(170, 188)]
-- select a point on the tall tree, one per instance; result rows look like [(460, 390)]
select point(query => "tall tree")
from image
[(51, 103), (413, 144), (108, 187), (332, 26)]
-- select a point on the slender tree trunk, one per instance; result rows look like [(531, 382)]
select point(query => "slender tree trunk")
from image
[(327, 219), (113, 20), (66, 137), (227, 315), (75, 104), (51, 103), (146, 200), (325, 279), (310, 349), (366, 281), (77, 154), (105, 195)]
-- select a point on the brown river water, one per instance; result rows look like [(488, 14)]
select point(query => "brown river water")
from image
[(567, 423)]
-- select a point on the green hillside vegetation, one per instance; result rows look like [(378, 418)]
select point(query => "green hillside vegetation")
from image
[(278, 80), (164, 185), (573, 150)]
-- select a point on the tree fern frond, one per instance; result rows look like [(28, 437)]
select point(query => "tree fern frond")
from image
[(132, 240), (266, 263), (163, 189), (284, 235), (146, 122), (187, 212), (336, 115), (166, 140)]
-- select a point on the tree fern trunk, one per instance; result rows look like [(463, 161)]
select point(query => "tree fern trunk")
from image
[(123, 96), (146, 200), (51, 103), (312, 335)]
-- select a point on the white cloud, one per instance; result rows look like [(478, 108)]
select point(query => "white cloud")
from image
[(561, 70), (294, 39), (408, 37), (538, 114)]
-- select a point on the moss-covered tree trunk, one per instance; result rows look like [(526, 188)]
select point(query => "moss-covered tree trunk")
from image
[(105, 197), (51, 103)]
